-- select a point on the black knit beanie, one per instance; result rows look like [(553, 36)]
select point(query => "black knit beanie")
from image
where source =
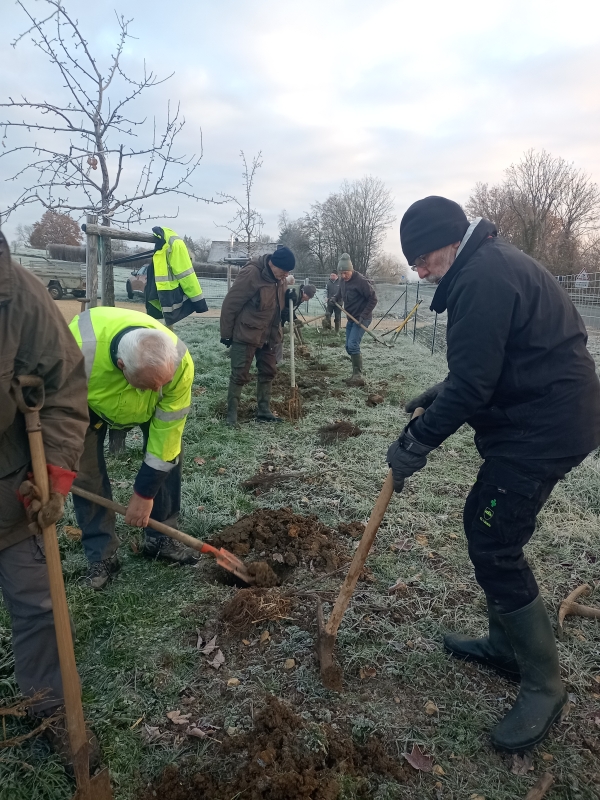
[(284, 259), (430, 224)]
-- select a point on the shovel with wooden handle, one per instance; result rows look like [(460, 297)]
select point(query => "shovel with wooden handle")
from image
[(98, 787), (223, 557), (331, 673)]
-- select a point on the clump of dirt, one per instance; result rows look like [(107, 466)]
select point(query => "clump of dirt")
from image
[(250, 606), (354, 529), (285, 757), (338, 432), (283, 539), (262, 574), (374, 400)]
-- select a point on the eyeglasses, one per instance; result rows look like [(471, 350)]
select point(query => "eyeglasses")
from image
[(421, 261)]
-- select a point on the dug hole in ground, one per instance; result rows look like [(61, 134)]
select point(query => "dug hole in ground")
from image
[(199, 688)]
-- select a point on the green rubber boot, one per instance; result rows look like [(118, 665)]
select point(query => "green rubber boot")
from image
[(542, 695), (233, 400), (356, 379), (493, 650), (263, 403)]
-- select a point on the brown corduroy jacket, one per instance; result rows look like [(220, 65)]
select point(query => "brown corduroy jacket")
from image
[(35, 340), (251, 311)]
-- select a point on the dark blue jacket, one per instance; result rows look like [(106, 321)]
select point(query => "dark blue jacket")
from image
[(519, 370)]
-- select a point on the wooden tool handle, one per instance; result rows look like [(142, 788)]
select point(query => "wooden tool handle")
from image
[(62, 623), (360, 325), (362, 551), (190, 541)]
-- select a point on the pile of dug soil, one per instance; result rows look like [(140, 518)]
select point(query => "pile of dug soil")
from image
[(283, 539), (338, 432), (354, 529), (285, 757)]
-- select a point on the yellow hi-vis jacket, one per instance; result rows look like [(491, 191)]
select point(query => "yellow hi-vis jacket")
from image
[(121, 405), (178, 291)]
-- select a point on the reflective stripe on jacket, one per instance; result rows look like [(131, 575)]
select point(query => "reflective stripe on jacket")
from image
[(174, 275), (121, 405)]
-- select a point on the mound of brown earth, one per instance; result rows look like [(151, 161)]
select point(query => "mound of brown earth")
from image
[(285, 758), (338, 432), (282, 539), (354, 529)]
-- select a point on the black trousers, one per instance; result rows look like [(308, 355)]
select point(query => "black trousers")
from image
[(499, 519), (97, 523)]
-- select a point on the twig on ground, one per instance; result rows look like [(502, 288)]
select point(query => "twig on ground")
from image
[(570, 607), (17, 740), (538, 791)]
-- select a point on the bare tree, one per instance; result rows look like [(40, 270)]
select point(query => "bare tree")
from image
[(388, 267), (544, 206), (85, 142), (247, 222), (356, 219)]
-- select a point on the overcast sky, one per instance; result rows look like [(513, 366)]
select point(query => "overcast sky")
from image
[(431, 97)]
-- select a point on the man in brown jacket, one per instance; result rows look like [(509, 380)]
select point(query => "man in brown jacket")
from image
[(251, 326), (34, 339)]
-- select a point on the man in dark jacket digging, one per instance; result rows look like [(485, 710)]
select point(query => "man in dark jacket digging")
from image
[(358, 297), (251, 326), (35, 340), (521, 376)]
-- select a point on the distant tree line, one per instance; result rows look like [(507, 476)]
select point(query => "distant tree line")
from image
[(547, 208), (353, 220)]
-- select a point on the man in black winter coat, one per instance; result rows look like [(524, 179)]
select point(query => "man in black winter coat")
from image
[(520, 374)]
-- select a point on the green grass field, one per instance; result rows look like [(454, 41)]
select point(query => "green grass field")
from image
[(136, 641)]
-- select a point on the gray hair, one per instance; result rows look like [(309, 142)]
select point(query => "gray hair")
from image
[(146, 348)]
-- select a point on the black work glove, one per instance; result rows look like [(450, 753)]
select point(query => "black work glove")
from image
[(405, 457), (226, 342), (425, 399)]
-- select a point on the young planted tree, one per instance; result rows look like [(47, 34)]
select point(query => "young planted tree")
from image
[(81, 151), (247, 223)]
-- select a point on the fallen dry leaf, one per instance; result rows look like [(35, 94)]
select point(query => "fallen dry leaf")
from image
[(278, 558), (398, 588), (367, 672), (202, 730), (547, 757), (477, 797), (421, 539), (178, 718), (199, 461), (72, 532), (401, 545), (264, 637), (522, 764), (198, 390), (417, 759), (221, 471), (233, 682), (217, 661), (431, 708), (397, 700), (437, 770), (197, 732), (208, 647), (289, 663), (246, 642), (150, 733)]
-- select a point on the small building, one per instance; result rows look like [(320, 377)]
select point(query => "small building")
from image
[(232, 251)]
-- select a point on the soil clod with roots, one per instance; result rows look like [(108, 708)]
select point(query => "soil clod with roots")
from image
[(286, 758), (338, 432), (251, 606), (282, 540)]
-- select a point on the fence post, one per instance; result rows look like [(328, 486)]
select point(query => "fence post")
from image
[(107, 292), (434, 329), (406, 310), (416, 314), (228, 277), (91, 264)]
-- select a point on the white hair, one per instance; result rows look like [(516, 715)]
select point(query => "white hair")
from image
[(146, 349)]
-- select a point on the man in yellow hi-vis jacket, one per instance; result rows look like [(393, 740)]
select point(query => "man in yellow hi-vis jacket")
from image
[(139, 373), (173, 290)]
